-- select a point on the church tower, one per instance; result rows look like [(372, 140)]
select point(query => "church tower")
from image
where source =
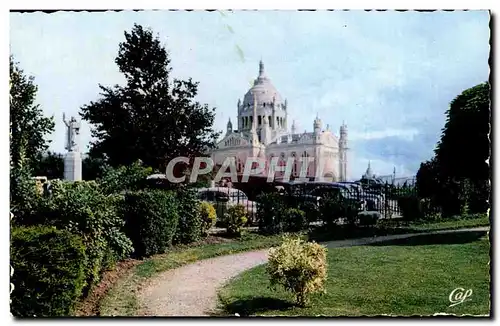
[(343, 152), (229, 128)]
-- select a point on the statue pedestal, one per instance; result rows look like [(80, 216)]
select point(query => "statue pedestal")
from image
[(73, 166)]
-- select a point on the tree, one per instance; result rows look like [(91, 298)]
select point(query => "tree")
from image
[(464, 147), (458, 176), (93, 168), (427, 179), (28, 125), (49, 164), (151, 118), (28, 128)]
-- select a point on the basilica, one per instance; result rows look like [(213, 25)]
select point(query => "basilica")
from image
[(263, 132)]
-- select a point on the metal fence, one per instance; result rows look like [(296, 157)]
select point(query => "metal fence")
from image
[(382, 198)]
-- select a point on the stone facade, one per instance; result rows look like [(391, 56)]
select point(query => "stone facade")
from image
[(262, 121)]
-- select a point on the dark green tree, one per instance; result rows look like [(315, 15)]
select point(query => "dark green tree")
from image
[(28, 125), (93, 167), (427, 179), (153, 117), (464, 147), (28, 128), (50, 165), (457, 178)]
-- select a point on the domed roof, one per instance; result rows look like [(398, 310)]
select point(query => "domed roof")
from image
[(369, 174), (263, 91)]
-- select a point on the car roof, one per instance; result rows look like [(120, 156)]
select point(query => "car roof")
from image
[(221, 189)]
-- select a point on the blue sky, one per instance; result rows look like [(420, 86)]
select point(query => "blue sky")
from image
[(389, 75)]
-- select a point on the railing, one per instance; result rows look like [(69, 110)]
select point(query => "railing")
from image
[(384, 199)]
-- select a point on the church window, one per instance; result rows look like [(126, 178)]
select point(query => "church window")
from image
[(270, 121), (260, 120), (277, 121), (251, 120), (243, 122), (264, 104)]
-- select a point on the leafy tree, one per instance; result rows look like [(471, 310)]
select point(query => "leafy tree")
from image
[(427, 178), (93, 168), (130, 177), (152, 118), (457, 178), (465, 147), (49, 164), (28, 125), (28, 128)]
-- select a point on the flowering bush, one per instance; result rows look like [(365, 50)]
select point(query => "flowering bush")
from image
[(208, 216), (236, 217), (299, 266)]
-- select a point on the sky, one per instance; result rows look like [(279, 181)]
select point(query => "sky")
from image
[(388, 75)]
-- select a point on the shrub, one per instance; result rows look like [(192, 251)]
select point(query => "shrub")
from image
[(124, 178), (299, 266), (368, 218), (49, 271), (207, 215), (236, 218), (270, 211), (151, 219), (311, 211), (294, 220), (410, 207), (333, 207), (23, 194), (82, 208), (189, 225)]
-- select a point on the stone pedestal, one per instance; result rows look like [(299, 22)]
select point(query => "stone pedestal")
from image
[(73, 166)]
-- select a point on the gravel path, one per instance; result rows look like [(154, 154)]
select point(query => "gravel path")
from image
[(191, 290)]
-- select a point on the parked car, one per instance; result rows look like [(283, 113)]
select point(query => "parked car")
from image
[(313, 191), (375, 201), (223, 197)]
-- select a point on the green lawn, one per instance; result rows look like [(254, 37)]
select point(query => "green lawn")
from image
[(405, 277), (452, 224), (121, 300)]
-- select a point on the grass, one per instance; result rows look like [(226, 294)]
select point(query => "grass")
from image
[(453, 224), (388, 227), (405, 277), (121, 300)]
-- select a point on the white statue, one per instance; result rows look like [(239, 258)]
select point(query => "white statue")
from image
[(72, 130)]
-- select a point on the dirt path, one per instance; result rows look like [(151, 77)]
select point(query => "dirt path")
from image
[(191, 290)]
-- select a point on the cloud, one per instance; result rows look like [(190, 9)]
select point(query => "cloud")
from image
[(407, 134)]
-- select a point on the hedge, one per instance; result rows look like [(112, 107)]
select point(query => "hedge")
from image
[(189, 228), (83, 209), (270, 212), (151, 219), (49, 271)]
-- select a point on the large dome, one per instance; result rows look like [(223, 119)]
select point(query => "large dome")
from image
[(263, 91)]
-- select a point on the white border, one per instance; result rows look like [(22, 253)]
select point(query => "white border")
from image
[(186, 4)]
